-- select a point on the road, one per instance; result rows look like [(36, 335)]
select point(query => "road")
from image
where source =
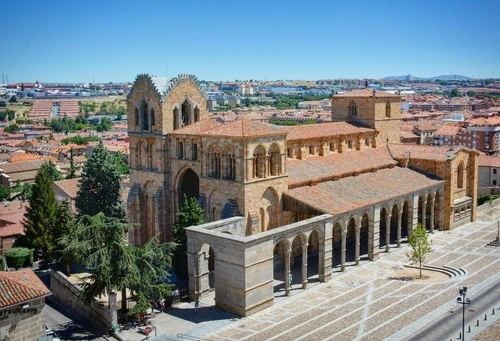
[(65, 324), (450, 325)]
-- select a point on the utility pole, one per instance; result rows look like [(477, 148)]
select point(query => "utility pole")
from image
[(463, 300)]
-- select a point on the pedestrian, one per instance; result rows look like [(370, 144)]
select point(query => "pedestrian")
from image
[(162, 304), (196, 304), (290, 279)]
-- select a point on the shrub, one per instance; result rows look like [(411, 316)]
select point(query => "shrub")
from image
[(19, 257)]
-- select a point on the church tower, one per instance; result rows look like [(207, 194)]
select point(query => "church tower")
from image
[(155, 108), (375, 109)]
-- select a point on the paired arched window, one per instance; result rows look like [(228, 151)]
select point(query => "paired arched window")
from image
[(274, 160), (214, 162), (388, 109), (352, 110), (259, 162), (229, 164), (460, 175)]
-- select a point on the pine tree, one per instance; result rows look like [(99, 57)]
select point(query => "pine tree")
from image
[(420, 246), (62, 227), (190, 214), (100, 186), (40, 216), (72, 168), (52, 170)]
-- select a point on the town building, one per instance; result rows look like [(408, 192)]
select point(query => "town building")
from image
[(337, 191)]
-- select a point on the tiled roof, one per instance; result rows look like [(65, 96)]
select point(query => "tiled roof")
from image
[(308, 131), (22, 166), (366, 93), (18, 157), (351, 193), (245, 128), (198, 127), (20, 286), (68, 186), (485, 121), (450, 130), (400, 151), (488, 161), (22, 176), (332, 166), (11, 230)]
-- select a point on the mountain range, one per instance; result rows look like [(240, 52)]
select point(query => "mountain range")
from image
[(413, 78)]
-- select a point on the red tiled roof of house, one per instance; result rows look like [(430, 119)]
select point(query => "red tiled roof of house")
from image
[(333, 166), (68, 186), (20, 286), (18, 157), (310, 131), (436, 153), (22, 166), (366, 93), (488, 161), (9, 230), (450, 130), (198, 127), (485, 121), (245, 128), (348, 194)]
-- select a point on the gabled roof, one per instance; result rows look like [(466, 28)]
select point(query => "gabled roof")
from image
[(367, 93), (68, 186), (246, 128), (20, 286), (488, 161), (22, 166), (163, 86), (436, 153), (198, 127), (449, 130), (309, 131)]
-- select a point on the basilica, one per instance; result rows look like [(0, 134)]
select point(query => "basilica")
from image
[(277, 196)]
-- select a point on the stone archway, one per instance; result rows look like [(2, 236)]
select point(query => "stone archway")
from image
[(189, 184)]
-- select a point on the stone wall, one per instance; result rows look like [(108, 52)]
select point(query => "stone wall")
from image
[(65, 290), (21, 324)]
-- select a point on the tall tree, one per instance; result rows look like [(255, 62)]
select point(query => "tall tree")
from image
[(40, 216), (420, 246), (190, 214), (62, 228), (52, 170), (100, 186), (72, 168), (99, 243)]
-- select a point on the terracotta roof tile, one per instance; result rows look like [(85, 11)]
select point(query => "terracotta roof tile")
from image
[(488, 161), (11, 230), (20, 286), (22, 166), (347, 194), (449, 130), (308, 131), (68, 186), (245, 128), (198, 127), (325, 168), (400, 151)]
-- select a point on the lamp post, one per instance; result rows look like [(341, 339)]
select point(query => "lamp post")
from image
[(463, 300)]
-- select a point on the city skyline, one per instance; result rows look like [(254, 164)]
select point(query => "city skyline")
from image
[(116, 40)]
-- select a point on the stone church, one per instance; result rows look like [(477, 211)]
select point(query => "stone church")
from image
[(334, 192)]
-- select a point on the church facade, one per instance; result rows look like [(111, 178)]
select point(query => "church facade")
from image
[(339, 191)]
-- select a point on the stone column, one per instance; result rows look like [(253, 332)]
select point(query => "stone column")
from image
[(343, 233), (400, 224), (432, 214), (413, 214), (304, 265), (424, 212), (374, 235), (387, 229), (358, 237), (288, 252), (267, 166), (441, 208)]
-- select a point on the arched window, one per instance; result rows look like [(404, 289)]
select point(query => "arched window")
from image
[(388, 109), (349, 144), (332, 146), (138, 155), (214, 162), (460, 175), (352, 109), (289, 152), (311, 150), (274, 160), (186, 113), (152, 118), (144, 115), (180, 149), (259, 163), (176, 118), (196, 114), (150, 156), (229, 164), (136, 116), (195, 151)]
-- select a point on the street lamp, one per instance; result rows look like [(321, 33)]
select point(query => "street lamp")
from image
[(463, 301)]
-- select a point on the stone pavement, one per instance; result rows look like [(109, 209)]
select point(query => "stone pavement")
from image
[(366, 302)]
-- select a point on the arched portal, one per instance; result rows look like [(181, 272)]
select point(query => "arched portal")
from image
[(280, 252), (313, 257), (351, 240), (383, 228), (404, 220), (365, 223), (336, 245), (189, 185), (394, 225)]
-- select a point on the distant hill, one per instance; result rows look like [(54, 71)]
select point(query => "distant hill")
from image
[(413, 78)]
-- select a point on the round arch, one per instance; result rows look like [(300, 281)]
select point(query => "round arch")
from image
[(189, 185)]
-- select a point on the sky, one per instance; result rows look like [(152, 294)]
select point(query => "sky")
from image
[(115, 40)]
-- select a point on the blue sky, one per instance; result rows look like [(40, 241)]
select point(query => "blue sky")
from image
[(77, 41)]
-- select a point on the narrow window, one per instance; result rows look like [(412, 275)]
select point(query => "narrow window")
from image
[(195, 151), (388, 109), (352, 109), (460, 176)]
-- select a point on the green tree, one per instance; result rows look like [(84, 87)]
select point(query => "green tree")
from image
[(72, 168), (455, 93), (62, 228), (121, 163), (3, 104), (52, 170), (100, 186), (19, 257), (190, 214), (104, 125), (12, 128), (11, 114), (3, 116), (99, 242), (40, 216), (4, 192), (13, 99), (420, 246)]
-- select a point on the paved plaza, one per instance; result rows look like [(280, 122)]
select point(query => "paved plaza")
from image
[(367, 302)]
